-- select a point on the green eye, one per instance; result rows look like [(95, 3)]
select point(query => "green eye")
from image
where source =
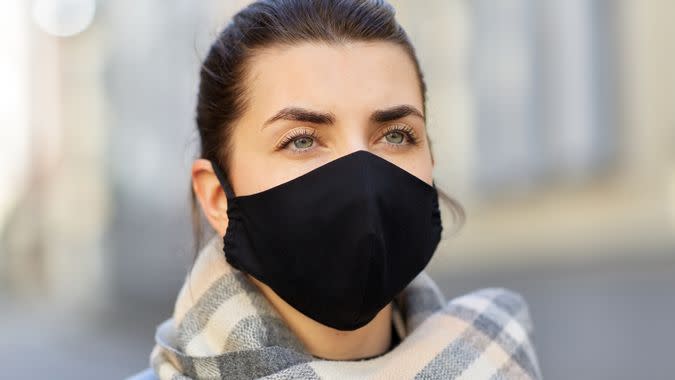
[(394, 137), (303, 142)]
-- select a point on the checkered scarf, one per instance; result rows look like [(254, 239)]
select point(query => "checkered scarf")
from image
[(224, 328)]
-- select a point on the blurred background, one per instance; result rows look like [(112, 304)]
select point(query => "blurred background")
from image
[(553, 123)]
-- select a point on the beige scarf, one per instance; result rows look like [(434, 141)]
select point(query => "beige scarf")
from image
[(224, 328)]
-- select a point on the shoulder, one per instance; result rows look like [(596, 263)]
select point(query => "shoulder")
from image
[(504, 305), (147, 374), (500, 318), (505, 300)]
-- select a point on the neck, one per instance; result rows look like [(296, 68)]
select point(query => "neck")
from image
[(328, 343)]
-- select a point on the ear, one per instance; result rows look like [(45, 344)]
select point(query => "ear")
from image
[(210, 195)]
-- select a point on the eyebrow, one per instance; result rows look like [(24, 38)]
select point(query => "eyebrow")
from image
[(394, 113), (378, 116), (302, 114)]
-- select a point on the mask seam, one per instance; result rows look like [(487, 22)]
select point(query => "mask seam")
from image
[(369, 191)]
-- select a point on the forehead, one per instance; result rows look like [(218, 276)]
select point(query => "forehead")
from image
[(334, 77)]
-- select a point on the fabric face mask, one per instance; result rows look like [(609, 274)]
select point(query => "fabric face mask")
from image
[(339, 242)]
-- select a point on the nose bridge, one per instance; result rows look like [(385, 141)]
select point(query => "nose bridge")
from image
[(353, 138)]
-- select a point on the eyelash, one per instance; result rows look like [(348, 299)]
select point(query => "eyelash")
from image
[(295, 134), (408, 132)]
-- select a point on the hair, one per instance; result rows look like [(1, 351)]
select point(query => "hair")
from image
[(265, 23)]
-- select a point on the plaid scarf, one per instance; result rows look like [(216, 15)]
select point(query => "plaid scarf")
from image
[(224, 328)]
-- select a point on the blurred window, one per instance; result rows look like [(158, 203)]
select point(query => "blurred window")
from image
[(545, 107)]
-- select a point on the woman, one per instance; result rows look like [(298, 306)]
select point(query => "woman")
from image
[(316, 174)]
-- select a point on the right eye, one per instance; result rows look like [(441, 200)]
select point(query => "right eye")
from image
[(298, 141), (303, 142)]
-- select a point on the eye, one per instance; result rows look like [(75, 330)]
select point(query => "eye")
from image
[(399, 135), (303, 142), (395, 137), (298, 141)]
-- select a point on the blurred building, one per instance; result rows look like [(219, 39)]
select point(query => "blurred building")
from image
[(552, 122)]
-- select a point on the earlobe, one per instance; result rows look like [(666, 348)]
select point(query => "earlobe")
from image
[(210, 195)]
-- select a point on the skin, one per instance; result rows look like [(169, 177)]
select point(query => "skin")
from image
[(345, 84)]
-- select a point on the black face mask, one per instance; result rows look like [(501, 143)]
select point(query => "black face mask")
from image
[(339, 242)]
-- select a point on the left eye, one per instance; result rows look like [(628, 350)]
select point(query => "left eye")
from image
[(303, 142), (395, 137)]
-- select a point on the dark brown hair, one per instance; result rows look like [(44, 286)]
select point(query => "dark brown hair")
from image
[(265, 23)]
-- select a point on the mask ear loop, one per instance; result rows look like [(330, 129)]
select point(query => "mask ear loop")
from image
[(222, 178)]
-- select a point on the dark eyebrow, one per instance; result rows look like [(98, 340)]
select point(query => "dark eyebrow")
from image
[(394, 113), (301, 114)]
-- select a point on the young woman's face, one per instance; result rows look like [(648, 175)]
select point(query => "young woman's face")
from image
[(309, 104)]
